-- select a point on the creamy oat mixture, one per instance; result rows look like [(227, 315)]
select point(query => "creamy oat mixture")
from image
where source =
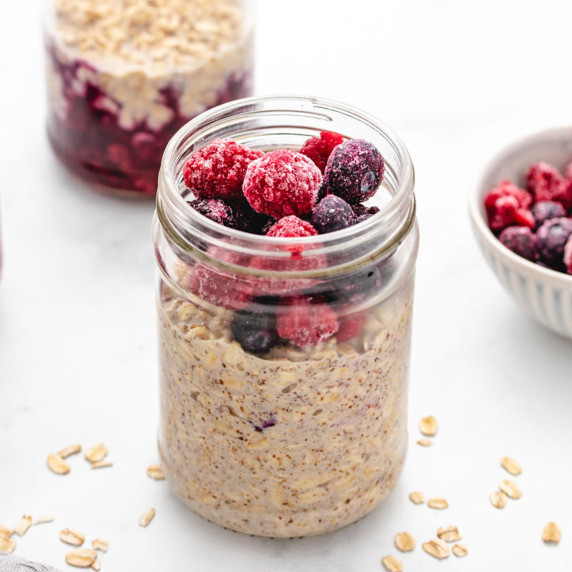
[(292, 444), (137, 48)]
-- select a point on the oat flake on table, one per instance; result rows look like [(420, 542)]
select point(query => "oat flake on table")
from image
[(510, 489), (460, 550), (96, 453), (498, 499), (72, 537), (436, 548), (404, 541), (552, 533), (147, 517), (392, 564), (57, 465), (81, 557), (449, 533), (438, 503), (428, 426), (24, 525), (510, 465)]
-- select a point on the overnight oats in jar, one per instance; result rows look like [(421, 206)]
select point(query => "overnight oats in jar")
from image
[(286, 240), (124, 75)]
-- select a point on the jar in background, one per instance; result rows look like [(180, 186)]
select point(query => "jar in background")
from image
[(124, 75), (264, 436)]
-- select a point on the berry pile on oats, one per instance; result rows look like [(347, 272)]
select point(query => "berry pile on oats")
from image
[(535, 222), (285, 194)]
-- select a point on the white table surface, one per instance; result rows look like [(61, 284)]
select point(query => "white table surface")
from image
[(457, 80)]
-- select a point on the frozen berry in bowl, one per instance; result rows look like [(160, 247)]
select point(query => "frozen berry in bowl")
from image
[(521, 240), (282, 183), (551, 238), (354, 171), (521, 207), (332, 213), (568, 255), (545, 210)]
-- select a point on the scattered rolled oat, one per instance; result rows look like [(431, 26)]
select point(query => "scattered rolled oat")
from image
[(147, 517), (498, 499), (81, 557), (43, 519), (22, 527), (72, 537), (57, 465), (96, 453), (437, 548), (404, 541), (96, 565), (438, 503), (460, 550), (510, 465), (417, 497), (101, 464), (510, 489), (449, 533), (5, 531), (428, 426), (392, 564), (100, 544), (551, 533), (155, 472), (68, 451), (7, 545), (425, 442)]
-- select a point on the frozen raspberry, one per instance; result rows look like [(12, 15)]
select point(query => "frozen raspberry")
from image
[(332, 213), (546, 210), (216, 210), (216, 171), (521, 240), (320, 148), (354, 171), (506, 205), (291, 227), (282, 183), (350, 326), (306, 324), (547, 184), (550, 240), (254, 328), (221, 287), (568, 255)]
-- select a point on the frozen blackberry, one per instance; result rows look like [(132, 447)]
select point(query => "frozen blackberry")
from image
[(255, 329), (521, 240), (332, 213), (216, 210), (354, 171), (545, 210), (551, 238)]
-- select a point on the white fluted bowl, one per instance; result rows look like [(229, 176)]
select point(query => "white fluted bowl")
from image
[(545, 294)]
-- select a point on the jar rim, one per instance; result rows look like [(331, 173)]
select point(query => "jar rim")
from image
[(171, 204)]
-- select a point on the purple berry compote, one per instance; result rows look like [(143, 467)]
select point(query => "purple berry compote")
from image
[(124, 77)]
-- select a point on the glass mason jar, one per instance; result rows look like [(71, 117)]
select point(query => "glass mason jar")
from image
[(263, 436), (124, 75)]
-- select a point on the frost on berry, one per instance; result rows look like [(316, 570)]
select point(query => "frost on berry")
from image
[(545, 210), (306, 324), (216, 210), (506, 205), (291, 227), (216, 171), (319, 148), (354, 171), (546, 183), (332, 213), (551, 238), (521, 240), (282, 183), (568, 255)]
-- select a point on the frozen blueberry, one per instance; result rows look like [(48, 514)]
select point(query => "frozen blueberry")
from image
[(521, 240), (255, 329), (353, 289), (216, 210), (332, 213), (354, 171), (551, 238), (545, 210)]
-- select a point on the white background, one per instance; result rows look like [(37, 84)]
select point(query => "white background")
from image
[(457, 80)]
